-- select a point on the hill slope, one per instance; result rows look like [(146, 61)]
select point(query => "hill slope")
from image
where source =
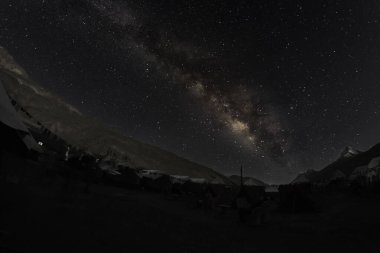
[(68, 123)]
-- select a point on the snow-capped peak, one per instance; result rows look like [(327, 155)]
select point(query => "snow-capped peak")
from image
[(349, 152)]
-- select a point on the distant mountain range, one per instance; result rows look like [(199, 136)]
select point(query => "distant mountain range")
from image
[(88, 134), (249, 181), (349, 160)]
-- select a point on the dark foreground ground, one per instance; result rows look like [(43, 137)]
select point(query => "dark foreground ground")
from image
[(44, 217)]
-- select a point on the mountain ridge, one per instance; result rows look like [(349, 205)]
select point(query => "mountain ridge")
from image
[(250, 181), (344, 164), (77, 129)]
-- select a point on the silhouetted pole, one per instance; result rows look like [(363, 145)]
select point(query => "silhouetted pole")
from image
[(241, 176)]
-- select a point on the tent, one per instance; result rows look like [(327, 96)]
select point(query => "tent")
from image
[(335, 176), (374, 163), (359, 171), (365, 173), (15, 136), (178, 179)]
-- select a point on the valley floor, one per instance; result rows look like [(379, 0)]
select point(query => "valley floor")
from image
[(45, 218)]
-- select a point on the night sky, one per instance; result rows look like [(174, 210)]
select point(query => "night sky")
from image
[(278, 86)]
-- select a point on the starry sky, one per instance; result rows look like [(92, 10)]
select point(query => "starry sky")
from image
[(277, 86)]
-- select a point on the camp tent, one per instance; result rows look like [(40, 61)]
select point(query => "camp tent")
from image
[(359, 171), (374, 163), (15, 137), (178, 179), (369, 174), (151, 174)]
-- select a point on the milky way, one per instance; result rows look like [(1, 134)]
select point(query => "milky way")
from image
[(235, 108)]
